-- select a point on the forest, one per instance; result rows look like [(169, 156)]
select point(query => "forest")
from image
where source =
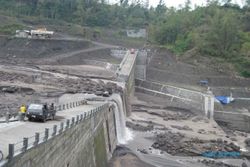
[(219, 29)]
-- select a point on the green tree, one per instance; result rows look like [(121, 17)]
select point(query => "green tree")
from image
[(221, 37)]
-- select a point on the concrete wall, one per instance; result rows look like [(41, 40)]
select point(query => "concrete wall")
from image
[(88, 143), (141, 65), (184, 98), (126, 74), (234, 120), (139, 33)]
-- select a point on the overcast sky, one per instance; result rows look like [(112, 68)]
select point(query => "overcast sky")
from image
[(176, 3)]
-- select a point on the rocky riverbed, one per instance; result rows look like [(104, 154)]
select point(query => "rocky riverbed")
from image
[(181, 145), (171, 135)]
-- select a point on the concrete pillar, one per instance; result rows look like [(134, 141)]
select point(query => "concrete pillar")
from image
[(211, 107), (37, 138), (7, 117), (11, 151), (61, 127), (72, 121), (67, 123), (25, 144), (77, 119), (46, 135), (54, 130), (206, 105)]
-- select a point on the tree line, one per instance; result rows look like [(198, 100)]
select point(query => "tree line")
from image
[(219, 29)]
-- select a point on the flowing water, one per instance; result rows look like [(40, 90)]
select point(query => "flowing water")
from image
[(123, 133)]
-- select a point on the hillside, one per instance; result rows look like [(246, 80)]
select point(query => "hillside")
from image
[(219, 31)]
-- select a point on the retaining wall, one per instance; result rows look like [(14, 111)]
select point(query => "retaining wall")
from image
[(233, 120), (141, 65), (185, 98)]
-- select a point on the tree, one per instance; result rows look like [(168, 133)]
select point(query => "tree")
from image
[(187, 5), (221, 37), (247, 3), (161, 8)]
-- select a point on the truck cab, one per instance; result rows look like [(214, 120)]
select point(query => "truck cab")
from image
[(41, 112)]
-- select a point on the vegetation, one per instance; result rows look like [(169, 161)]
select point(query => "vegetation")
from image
[(10, 29), (219, 29)]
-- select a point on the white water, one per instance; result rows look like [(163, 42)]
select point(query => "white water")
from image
[(123, 133)]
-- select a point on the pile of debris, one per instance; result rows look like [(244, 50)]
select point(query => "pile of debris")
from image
[(16, 89), (179, 144), (139, 127), (12, 77), (89, 86), (177, 116), (212, 163)]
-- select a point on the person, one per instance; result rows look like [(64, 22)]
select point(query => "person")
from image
[(52, 106), (22, 112)]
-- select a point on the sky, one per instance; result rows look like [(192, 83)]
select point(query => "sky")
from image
[(176, 3)]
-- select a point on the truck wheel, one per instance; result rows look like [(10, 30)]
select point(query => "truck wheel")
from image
[(29, 119), (44, 119)]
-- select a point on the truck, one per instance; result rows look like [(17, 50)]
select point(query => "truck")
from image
[(41, 33), (41, 112)]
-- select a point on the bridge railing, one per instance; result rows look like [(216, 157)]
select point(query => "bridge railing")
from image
[(49, 133), (12, 117)]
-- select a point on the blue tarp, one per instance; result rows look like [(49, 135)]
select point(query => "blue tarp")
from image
[(224, 99)]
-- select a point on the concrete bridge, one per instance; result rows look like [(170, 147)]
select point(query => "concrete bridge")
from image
[(83, 135)]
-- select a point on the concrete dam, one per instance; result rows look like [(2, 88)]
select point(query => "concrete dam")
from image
[(88, 131), (89, 127)]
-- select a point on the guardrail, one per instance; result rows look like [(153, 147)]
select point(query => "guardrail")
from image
[(60, 107), (41, 137)]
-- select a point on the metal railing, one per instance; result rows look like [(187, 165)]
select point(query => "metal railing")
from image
[(7, 116), (48, 133)]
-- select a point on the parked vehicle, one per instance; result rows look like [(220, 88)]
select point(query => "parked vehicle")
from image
[(41, 112), (132, 51)]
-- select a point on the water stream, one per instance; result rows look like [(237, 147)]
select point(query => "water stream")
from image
[(123, 133)]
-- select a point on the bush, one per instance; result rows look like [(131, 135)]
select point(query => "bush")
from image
[(10, 29), (245, 73)]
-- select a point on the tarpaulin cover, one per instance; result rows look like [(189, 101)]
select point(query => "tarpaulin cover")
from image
[(223, 99)]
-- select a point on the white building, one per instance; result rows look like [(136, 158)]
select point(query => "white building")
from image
[(139, 33)]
